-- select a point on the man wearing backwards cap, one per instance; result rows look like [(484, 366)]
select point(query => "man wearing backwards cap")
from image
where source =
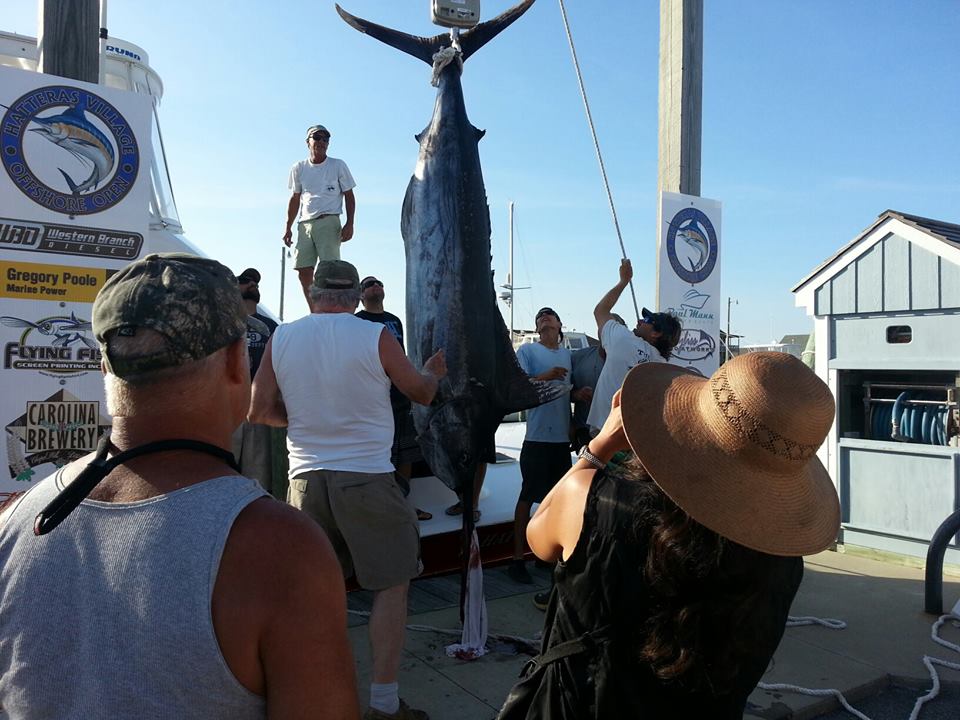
[(652, 340), (326, 377), (320, 184), (165, 592)]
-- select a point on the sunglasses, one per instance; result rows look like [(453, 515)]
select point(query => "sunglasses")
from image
[(243, 280), (320, 136), (370, 284)]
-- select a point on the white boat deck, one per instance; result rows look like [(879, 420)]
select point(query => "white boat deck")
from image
[(497, 499)]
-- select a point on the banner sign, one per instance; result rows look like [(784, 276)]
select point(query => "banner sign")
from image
[(688, 277), (75, 196)]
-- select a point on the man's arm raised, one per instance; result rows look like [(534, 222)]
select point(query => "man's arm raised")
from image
[(419, 386), (603, 312)]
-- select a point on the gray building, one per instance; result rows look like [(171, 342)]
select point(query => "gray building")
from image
[(886, 311)]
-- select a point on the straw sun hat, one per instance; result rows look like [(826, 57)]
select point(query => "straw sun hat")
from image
[(736, 451)]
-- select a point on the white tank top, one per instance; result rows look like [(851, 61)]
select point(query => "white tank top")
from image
[(336, 392)]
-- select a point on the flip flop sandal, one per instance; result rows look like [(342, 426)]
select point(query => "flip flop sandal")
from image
[(455, 509), (424, 515)]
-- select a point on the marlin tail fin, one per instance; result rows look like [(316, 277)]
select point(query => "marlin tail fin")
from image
[(424, 48)]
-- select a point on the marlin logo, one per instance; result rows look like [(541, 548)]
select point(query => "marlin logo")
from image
[(698, 245), (692, 246), (72, 131), (104, 154), (65, 330)]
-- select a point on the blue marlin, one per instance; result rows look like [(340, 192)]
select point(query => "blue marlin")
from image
[(451, 300), (78, 136), (692, 237)]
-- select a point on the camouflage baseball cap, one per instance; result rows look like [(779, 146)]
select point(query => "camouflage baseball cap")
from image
[(336, 275), (193, 302)]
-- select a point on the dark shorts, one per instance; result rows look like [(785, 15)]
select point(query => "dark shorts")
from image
[(405, 448), (542, 464)]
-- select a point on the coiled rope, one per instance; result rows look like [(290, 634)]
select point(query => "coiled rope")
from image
[(596, 145), (928, 662)]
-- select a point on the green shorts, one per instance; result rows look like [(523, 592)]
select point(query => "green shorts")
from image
[(372, 527), (317, 239)]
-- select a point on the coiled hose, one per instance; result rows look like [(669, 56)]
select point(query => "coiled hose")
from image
[(906, 422)]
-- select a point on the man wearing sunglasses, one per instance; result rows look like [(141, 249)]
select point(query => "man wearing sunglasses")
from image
[(652, 340), (405, 451), (321, 185)]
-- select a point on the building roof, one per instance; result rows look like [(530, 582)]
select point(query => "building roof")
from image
[(795, 339), (947, 233)]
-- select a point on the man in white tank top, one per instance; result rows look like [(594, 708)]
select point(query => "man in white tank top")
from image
[(326, 378), (166, 592)]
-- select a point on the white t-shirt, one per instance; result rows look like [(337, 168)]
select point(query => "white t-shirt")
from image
[(624, 351), (321, 186), (549, 422), (336, 392)]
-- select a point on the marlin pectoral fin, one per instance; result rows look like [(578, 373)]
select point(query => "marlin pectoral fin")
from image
[(477, 37), (420, 47), (480, 133)]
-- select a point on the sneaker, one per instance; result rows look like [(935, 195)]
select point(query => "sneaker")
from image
[(517, 571), (541, 600), (404, 713)]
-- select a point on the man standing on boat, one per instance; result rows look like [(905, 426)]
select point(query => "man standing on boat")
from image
[(321, 186), (166, 592), (405, 450), (545, 455), (326, 377), (652, 340)]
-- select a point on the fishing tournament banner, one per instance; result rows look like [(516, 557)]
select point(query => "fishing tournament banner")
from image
[(75, 193), (688, 276)]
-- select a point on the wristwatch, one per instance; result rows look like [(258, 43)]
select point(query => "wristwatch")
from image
[(585, 454)]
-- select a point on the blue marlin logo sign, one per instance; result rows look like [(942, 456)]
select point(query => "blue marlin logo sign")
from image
[(84, 134), (692, 245)]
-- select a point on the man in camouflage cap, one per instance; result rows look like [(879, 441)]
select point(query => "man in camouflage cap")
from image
[(173, 575)]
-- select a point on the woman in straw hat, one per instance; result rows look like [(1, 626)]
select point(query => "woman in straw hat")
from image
[(676, 571)]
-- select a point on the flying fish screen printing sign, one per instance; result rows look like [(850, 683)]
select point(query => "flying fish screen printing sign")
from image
[(72, 150), (688, 276)]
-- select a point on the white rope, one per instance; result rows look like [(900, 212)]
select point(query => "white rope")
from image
[(596, 145), (928, 662), (441, 59)]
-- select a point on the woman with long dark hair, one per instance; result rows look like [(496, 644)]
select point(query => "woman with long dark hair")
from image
[(676, 569)]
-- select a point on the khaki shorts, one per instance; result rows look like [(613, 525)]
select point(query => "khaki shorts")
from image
[(317, 239), (372, 527)]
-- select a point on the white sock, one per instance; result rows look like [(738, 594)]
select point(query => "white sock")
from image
[(384, 697)]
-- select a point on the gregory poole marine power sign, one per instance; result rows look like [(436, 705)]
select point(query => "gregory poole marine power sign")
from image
[(688, 276), (75, 192)]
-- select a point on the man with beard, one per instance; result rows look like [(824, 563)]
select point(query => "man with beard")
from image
[(252, 443)]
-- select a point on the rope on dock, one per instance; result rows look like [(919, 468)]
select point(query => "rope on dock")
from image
[(928, 662)]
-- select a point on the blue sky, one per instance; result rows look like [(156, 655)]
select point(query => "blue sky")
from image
[(817, 116)]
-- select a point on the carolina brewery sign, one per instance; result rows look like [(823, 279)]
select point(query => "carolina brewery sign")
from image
[(688, 276)]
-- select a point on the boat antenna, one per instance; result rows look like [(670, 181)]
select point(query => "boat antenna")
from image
[(596, 145)]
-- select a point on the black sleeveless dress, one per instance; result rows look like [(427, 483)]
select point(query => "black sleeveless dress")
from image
[(588, 666)]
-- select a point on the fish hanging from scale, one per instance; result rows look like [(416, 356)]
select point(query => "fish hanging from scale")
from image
[(451, 300)]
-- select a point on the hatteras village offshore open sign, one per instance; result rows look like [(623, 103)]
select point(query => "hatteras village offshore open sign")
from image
[(76, 194)]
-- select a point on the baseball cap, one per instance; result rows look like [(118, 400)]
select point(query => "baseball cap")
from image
[(666, 323), (546, 311), (248, 275), (336, 275), (315, 128), (193, 302)]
